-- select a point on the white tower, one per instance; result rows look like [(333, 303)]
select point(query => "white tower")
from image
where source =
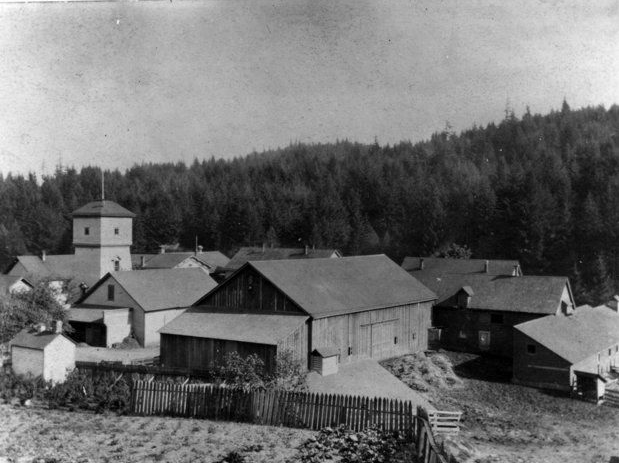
[(102, 236)]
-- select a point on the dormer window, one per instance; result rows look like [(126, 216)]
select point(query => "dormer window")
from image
[(86, 230), (116, 231), (464, 297)]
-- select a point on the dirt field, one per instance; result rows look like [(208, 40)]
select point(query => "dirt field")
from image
[(509, 423), (82, 437)]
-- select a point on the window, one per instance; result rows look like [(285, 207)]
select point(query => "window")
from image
[(531, 349), (116, 231), (610, 352), (462, 335), (116, 265), (395, 340), (110, 292), (86, 230), (496, 318)]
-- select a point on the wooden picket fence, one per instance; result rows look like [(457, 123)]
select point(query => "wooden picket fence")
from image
[(283, 408)]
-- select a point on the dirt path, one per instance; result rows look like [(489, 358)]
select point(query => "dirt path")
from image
[(84, 437)]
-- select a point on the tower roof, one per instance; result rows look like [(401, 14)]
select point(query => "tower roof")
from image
[(102, 208)]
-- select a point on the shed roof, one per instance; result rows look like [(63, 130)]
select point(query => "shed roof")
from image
[(530, 294), (578, 336), (7, 281), (326, 287), (444, 265), (246, 254), (158, 289), (102, 208), (32, 339), (326, 351), (211, 259), (243, 327)]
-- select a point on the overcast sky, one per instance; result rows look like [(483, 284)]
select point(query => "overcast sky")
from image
[(115, 83)]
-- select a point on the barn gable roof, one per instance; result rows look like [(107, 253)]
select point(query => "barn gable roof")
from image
[(102, 208), (444, 265), (159, 289), (530, 294), (65, 266), (246, 254), (32, 339), (243, 327), (327, 287), (578, 336), (7, 281)]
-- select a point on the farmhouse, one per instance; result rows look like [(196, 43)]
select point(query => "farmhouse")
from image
[(102, 236), (576, 352), (207, 260), (246, 254), (13, 284), (351, 307), (137, 302), (42, 352), (477, 312)]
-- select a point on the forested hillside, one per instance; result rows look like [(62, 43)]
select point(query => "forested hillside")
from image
[(542, 189)]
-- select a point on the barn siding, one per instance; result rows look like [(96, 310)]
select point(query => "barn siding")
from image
[(297, 344), (249, 291), (359, 331), (542, 369)]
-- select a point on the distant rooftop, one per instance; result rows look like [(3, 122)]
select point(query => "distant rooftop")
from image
[(442, 265), (265, 253), (104, 208)]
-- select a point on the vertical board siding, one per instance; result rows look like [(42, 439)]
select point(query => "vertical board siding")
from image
[(360, 331), (249, 291)]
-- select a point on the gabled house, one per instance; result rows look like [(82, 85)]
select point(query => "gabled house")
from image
[(573, 353), (207, 260), (352, 307), (477, 312), (443, 265), (246, 254), (10, 284), (138, 302)]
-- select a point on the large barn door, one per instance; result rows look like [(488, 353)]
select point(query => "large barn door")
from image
[(365, 341), (383, 339)]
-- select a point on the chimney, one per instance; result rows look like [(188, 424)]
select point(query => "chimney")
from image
[(43, 255), (486, 266), (200, 249), (614, 303), (162, 249), (41, 327), (264, 247), (83, 287), (142, 261), (516, 272), (421, 263), (58, 326), (306, 250)]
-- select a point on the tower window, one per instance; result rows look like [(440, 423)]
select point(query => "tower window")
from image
[(116, 265), (116, 231), (86, 230), (110, 292), (531, 349)]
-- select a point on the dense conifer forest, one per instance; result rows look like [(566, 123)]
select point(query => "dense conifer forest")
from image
[(540, 188)]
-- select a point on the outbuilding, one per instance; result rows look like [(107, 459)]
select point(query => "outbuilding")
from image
[(40, 351)]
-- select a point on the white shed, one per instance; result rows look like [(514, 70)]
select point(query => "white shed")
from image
[(41, 352)]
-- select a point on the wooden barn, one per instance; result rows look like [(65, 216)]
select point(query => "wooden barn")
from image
[(359, 307), (138, 302), (573, 353), (477, 312)]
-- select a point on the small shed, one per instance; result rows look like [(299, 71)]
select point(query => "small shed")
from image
[(39, 351), (325, 360)]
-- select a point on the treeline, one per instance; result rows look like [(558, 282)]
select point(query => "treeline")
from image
[(541, 188)]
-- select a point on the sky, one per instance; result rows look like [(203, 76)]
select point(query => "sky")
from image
[(112, 84)]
